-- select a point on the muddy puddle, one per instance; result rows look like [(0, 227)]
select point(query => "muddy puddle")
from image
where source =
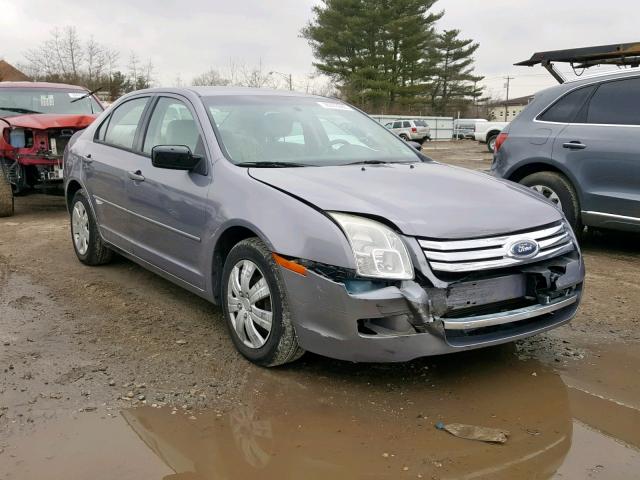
[(335, 420)]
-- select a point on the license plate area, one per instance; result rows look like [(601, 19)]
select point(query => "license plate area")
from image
[(490, 291)]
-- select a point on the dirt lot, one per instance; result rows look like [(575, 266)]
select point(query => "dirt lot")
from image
[(113, 372)]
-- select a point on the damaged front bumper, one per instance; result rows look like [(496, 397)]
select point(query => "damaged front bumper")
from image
[(410, 320)]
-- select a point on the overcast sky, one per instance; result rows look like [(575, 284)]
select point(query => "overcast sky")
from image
[(184, 38)]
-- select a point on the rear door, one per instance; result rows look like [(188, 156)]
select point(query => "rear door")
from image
[(601, 146), (105, 167), (168, 206)]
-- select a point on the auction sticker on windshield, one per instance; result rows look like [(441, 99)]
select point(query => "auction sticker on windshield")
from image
[(334, 106)]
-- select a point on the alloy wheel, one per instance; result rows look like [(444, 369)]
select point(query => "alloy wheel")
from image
[(80, 228), (548, 193), (249, 304)]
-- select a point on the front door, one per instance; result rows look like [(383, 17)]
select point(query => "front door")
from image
[(168, 206)]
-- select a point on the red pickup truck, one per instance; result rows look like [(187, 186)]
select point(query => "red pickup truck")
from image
[(37, 120)]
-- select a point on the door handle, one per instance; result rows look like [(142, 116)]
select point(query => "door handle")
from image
[(87, 159), (136, 176), (574, 145)]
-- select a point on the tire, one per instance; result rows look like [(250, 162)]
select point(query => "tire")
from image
[(491, 143), (404, 137), (93, 252), (6, 195), (560, 186), (279, 343)]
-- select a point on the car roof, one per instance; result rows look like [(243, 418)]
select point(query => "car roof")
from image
[(229, 91), (40, 85), (619, 73)]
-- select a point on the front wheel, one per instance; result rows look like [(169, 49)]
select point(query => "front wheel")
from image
[(556, 188), (87, 243), (255, 306)]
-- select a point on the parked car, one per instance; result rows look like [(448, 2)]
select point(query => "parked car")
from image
[(349, 244), (36, 122), (465, 128), (577, 144), (415, 130), (487, 132)]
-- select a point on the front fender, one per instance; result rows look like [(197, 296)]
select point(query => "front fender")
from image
[(287, 225)]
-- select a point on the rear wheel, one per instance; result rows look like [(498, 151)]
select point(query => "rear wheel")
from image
[(255, 306), (556, 188), (404, 137), (87, 243), (491, 142), (6, 194)]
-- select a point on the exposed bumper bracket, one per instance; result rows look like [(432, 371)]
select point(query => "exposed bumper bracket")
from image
[(480, 321)]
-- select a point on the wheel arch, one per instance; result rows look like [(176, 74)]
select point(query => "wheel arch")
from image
[(72, 188), (525, 170), (228, 238)]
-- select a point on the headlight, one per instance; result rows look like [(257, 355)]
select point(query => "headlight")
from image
[(379, 252)]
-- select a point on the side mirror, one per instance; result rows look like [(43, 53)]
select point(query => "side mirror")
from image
[(176, 157), (415, 145)]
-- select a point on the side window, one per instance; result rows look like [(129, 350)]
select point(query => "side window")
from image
[(566, 109), (397, 125), (406, 124), (121, 130), (172, 124), (616, 103)]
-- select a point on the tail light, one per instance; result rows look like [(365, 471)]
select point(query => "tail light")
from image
[(414, 129), (502, 137)]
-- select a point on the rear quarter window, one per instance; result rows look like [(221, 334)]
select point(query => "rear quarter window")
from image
[(566, 108)]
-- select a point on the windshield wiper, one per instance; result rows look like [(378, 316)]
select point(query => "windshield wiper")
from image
[(271, 164), (18, 110), (368, 162), (88, 94)]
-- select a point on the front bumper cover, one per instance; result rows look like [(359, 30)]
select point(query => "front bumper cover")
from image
[(409, 321)]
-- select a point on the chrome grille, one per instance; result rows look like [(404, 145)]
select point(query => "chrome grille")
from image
[(489, 253)]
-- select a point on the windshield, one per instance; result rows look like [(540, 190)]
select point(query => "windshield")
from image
[(301, 131), (17, 101)]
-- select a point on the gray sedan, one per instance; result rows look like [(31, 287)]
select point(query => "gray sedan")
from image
[(315, 228)]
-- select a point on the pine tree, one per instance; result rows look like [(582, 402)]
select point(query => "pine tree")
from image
[(454, 79), (373, 49)]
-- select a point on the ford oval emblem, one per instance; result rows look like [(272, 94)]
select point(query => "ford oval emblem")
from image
[(523, 249)]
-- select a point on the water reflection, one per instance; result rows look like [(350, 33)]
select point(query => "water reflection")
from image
[(344, 421)]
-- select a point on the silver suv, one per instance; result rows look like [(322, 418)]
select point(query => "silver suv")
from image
[(315, 228), (577, 144), (411, 130)]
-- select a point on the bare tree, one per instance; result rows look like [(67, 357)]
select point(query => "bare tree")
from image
[(210, 77), (72, 51), (256, 77), (95, 60), (134, 67)]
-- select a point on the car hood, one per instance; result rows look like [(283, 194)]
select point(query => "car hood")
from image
[(429, 200), (43, 121)]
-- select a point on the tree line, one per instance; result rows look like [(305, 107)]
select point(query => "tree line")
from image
[(387, 56), (65, 58)]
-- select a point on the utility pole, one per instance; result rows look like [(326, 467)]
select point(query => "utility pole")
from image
[(506, 107)]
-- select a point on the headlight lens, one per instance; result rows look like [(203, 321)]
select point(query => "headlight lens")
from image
[(379, 252)]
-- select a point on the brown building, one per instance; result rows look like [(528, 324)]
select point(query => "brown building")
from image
[(9, 73)]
